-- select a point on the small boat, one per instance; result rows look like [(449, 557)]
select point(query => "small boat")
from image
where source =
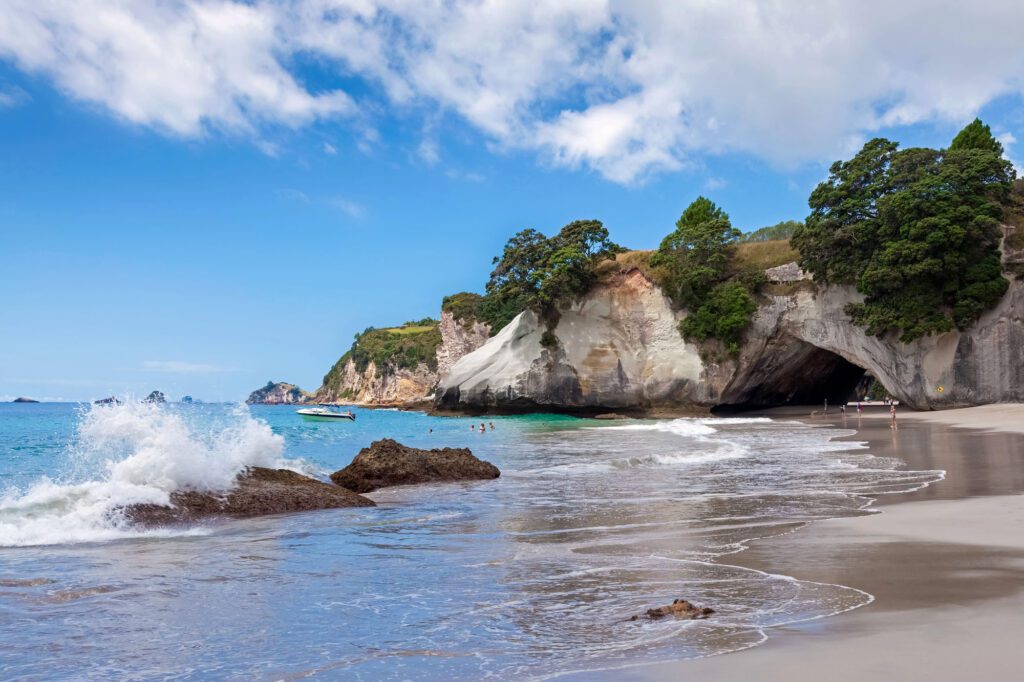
[(324, 414)]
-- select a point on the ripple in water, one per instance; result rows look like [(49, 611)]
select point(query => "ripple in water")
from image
[(532, 575)]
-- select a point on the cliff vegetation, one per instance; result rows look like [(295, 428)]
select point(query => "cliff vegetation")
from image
[(915, 230), (403, 347)]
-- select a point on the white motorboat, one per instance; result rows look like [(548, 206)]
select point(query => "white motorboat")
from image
[(324, 414)]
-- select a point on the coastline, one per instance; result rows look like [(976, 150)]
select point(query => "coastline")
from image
[(945, 563)]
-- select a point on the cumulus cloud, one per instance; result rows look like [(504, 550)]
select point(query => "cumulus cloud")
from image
[(624, 88), (180, 66)]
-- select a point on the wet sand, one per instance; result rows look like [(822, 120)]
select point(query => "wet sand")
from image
[(945, 565)]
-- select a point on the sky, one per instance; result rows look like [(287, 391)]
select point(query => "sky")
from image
[(199, 196)]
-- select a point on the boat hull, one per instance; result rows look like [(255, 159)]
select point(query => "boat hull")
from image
[(327, 418)]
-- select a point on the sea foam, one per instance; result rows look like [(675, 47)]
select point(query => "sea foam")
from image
[(134, 453)]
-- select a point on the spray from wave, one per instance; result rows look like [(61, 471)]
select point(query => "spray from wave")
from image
[(134, 453)]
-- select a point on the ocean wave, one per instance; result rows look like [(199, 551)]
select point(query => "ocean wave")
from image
[(134, 453)]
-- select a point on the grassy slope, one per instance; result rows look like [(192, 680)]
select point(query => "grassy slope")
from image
[(396, 347)]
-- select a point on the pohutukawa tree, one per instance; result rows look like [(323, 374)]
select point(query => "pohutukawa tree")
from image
[(915, 230)]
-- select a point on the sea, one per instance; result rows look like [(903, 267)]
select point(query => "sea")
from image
[(532, 575)]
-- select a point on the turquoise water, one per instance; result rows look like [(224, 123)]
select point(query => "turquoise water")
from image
[(527, 576)]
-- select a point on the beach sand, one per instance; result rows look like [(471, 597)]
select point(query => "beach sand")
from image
[(945, 565)]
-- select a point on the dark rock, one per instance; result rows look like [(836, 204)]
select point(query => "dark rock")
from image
[(188, 400), (609, 415), (259, 492), (680, 608), (25, 400), (107, 401), (387, 463), (155, 397)]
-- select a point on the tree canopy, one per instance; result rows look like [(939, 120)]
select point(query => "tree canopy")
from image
[(696, 255), (537, 272), (697, 262), (916, 230), (783, 230)]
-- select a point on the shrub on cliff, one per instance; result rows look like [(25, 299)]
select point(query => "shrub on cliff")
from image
[(464, 306), (916, 230), (723, 315)]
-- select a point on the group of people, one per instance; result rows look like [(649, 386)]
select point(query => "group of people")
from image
[(483, 427)]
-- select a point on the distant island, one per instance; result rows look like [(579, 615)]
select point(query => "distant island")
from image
[(24, 400), (279, 393)]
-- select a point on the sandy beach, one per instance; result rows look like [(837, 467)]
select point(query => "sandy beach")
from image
[(945, 565)]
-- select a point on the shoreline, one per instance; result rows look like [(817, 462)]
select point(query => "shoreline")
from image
[(945, 563)]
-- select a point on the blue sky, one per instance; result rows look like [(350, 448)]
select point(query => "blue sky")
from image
[(165, 223)]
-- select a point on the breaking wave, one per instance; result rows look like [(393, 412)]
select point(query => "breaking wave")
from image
[(134, 453)]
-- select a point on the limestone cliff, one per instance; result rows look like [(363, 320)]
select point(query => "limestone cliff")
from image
[(399, 367), (619, 348), (384, 385), (459, 337)]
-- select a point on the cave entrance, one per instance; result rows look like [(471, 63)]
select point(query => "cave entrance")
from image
[(796, 373)]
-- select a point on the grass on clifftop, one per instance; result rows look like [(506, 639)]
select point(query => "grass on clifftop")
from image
[(749, 255), (764, 255), (393, 348)]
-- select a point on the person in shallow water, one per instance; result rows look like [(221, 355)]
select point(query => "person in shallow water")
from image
[(492, 425)]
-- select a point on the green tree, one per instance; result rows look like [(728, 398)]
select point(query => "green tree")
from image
[(699, 273), (778, 231), (977, 135), (697, 254), (539, 273), (916, 230)]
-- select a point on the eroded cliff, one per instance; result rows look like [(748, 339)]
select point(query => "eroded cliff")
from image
[(619, 348), (404, 368)]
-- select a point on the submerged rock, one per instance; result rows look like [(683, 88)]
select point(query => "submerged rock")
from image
[(680, 608), (259, 492), (387, 462)]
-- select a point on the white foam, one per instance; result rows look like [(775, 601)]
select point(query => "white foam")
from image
[(130, 454), (680, 427)]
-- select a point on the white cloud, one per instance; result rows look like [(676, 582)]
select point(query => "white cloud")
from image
[(350, 208), (329, 149), (464, 176), (181, 367), (1008, 140), (624, 88), (12, 96), (180, 66)]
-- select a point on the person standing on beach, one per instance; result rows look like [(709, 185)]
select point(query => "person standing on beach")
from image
[(892, 413)]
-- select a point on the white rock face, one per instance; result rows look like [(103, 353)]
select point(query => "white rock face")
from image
[(620, 348)]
